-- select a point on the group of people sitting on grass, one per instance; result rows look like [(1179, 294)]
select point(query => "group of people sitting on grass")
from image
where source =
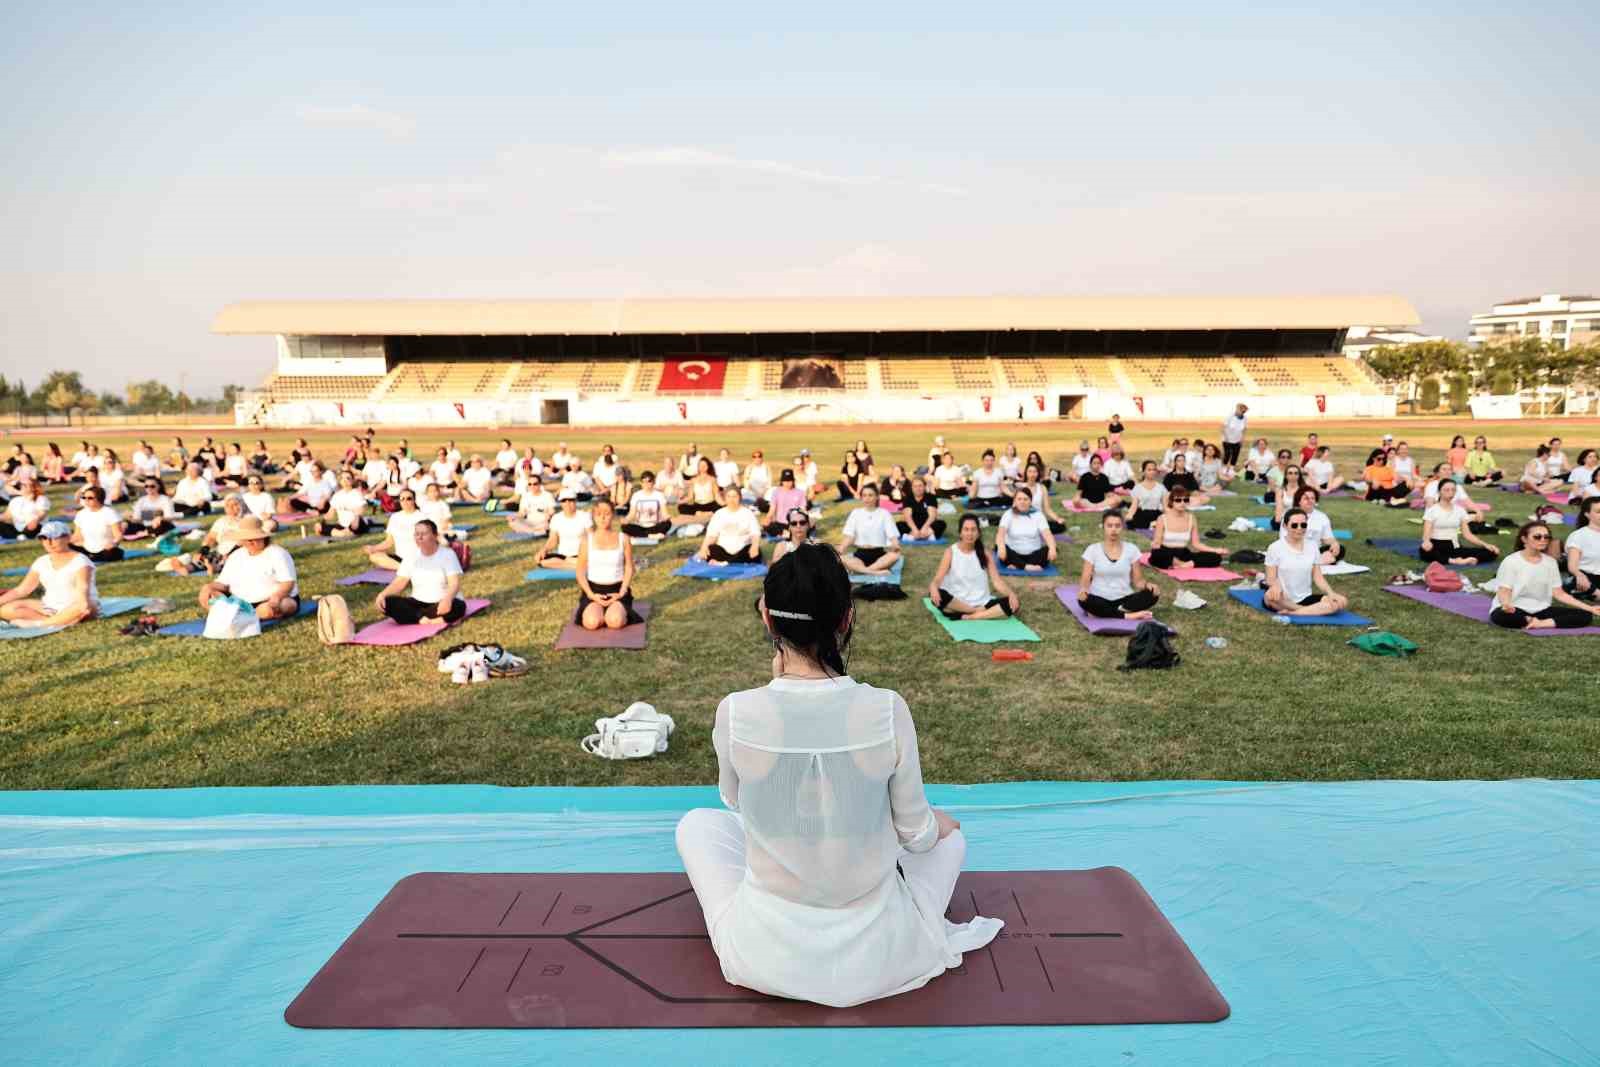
[(729, 508)]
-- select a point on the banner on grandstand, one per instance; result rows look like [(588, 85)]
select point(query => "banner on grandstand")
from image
[(692, 374), (683, 410), (1322, 403), (813, 372), (1038, 398), (461, 409), (1138, 402), (985, 404)]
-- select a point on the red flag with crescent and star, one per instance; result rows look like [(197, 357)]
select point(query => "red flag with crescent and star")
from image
[(692, 374)]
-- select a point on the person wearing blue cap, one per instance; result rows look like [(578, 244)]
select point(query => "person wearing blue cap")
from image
[(64, 578)]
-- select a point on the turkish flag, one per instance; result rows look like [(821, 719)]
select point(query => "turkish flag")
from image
[(692, 374), (1138, 402), (1037, 399), (1322, 403)]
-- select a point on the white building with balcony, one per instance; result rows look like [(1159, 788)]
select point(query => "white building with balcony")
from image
[(1566, 320)]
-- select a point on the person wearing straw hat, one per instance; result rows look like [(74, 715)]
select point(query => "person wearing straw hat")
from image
[(64, 578), (257, 572)]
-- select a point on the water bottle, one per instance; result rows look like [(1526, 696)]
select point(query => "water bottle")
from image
[(1216, 642), (1281, 618)]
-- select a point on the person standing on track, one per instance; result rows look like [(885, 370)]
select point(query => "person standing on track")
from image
[(1233, 435)]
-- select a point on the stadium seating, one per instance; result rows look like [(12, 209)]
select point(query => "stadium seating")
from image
[(285, 387), (926, 377)]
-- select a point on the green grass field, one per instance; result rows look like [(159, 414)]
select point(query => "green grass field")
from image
[(91, 709)]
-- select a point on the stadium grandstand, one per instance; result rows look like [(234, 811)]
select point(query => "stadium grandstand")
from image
[(653, 362)]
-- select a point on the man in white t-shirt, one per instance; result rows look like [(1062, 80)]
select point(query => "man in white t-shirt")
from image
[(560, 458), (1024, 540), (1233, 435), (734, 533), (434, 575), (567, 529), (505, 460), (647, 510), (535, 506), (872, 532), (257, 572), (65, 578), (452, 453), (477, 482), (192, 495)]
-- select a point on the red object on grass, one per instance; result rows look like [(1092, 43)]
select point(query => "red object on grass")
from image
[(1002, 654)]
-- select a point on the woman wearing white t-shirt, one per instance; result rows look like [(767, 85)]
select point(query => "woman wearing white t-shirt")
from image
[(1319, 470), (988, 484), (605, 574), (112, 478), (1583, 550), (144, 461), (961, 585), (1149, 497), (871, 532), (734, 533), (505, 462), (1011, 464), (192, 495), (25, 512), (1445, 525), (257, 572), (1319, 528), (64, 579), (725, 469), (1536, 474), (434, 575), (97, 527), (436, 509), (151, 513), (260, 503), (1024, 540), (567, 529), (647, 510), (235, 467), (1112, 584), (443, 469), (1259, 461), (829, 877), (1528, 595), (948, 481), (399, 540), (757, 478), (1583, 474), (1441, 477), (534, 508), (1295, 584), (1118, 470), (347, 510), (477, 482)]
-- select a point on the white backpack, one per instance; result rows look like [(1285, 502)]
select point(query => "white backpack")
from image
[(638, 732)]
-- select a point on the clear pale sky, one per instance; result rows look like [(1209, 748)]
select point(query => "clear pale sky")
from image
[(164, 160)]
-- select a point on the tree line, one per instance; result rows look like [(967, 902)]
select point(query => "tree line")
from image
[(1452, 370), (63, 392)]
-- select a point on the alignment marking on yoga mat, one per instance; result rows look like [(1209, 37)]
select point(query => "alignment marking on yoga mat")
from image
[(632, 951), (509, 906)]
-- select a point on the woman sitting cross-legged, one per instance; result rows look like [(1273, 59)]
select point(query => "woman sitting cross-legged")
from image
[(960, 587), (399, 541), (1583, 550), (734, 533), (988, 484), (219, 541), (647, 510), (24, 514), (258, 572), (1034, 482), (1529, 594), (151, 513), (1445, 525), (1319, 528), (1380, 480), (852, 478), (1175, 541), (829, 876), (872, 532), (347, 510), (535, 506), (1536, 477), (259, 502), (567, 530), (1094, 488), (796, 533), (1024, 540), (434, 575), (64, 578), (1149, 497), (1295, 584), (948, 481), (605, 573), (700, 492), (919, 518), (97, 528), (1113, 585)]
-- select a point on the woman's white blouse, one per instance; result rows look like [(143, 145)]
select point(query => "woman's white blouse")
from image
[(826, 777)]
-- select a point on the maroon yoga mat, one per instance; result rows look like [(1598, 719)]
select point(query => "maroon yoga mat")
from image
[(629, 637), (605, 951)]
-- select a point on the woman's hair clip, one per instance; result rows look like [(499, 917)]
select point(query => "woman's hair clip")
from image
[(789, 614)]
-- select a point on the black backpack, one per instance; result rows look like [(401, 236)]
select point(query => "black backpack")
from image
[(1150, 647)]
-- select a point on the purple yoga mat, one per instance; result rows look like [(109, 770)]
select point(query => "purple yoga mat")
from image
[(629, 637), (388, 632), (1473, 606), (376, 576), (1068, 595)]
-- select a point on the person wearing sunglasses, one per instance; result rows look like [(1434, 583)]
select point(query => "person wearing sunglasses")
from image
[(1319, 528), (1480, 463), (151, 514), (399, 537), (1176, 540), (796, 533), (568, 528), (1529, 594), (1295, 584)]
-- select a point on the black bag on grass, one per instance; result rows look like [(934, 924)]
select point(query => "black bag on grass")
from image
[(1150, 648), (878, 591), (1247, 555)]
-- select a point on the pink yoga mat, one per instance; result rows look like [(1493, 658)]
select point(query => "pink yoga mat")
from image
[(1474, 606), (1068, 595), (1194, 574), (388, 632), (629, 637)]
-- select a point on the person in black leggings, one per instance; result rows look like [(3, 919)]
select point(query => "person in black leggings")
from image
[(1529, 595), (1176, 538), (1112, 585)]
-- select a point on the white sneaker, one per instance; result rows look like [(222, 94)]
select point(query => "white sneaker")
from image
[(461, 675), (1188, 601), (480, 669)]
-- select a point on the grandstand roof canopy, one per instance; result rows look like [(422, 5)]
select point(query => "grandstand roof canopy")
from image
[(882, 314)]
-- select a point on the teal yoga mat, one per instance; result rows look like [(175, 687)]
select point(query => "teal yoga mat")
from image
[(986, 632)]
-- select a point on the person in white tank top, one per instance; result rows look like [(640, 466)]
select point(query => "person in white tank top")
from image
[(605, 573), (1175, 541), (961, 586)]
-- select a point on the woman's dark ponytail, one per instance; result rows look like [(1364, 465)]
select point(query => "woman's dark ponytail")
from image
[(810, 580)]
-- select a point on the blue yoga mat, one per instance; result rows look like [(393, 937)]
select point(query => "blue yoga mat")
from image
[(1255, 598), (14, 572), (518, 535), (888, 577), (550, 574), (197, 627), (1051, 571), (200, 913), (906, 542), (731, 572)]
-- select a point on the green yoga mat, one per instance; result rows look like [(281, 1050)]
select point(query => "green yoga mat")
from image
[(986, 632)]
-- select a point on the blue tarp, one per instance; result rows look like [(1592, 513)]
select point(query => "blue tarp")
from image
[(1368, 922)]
